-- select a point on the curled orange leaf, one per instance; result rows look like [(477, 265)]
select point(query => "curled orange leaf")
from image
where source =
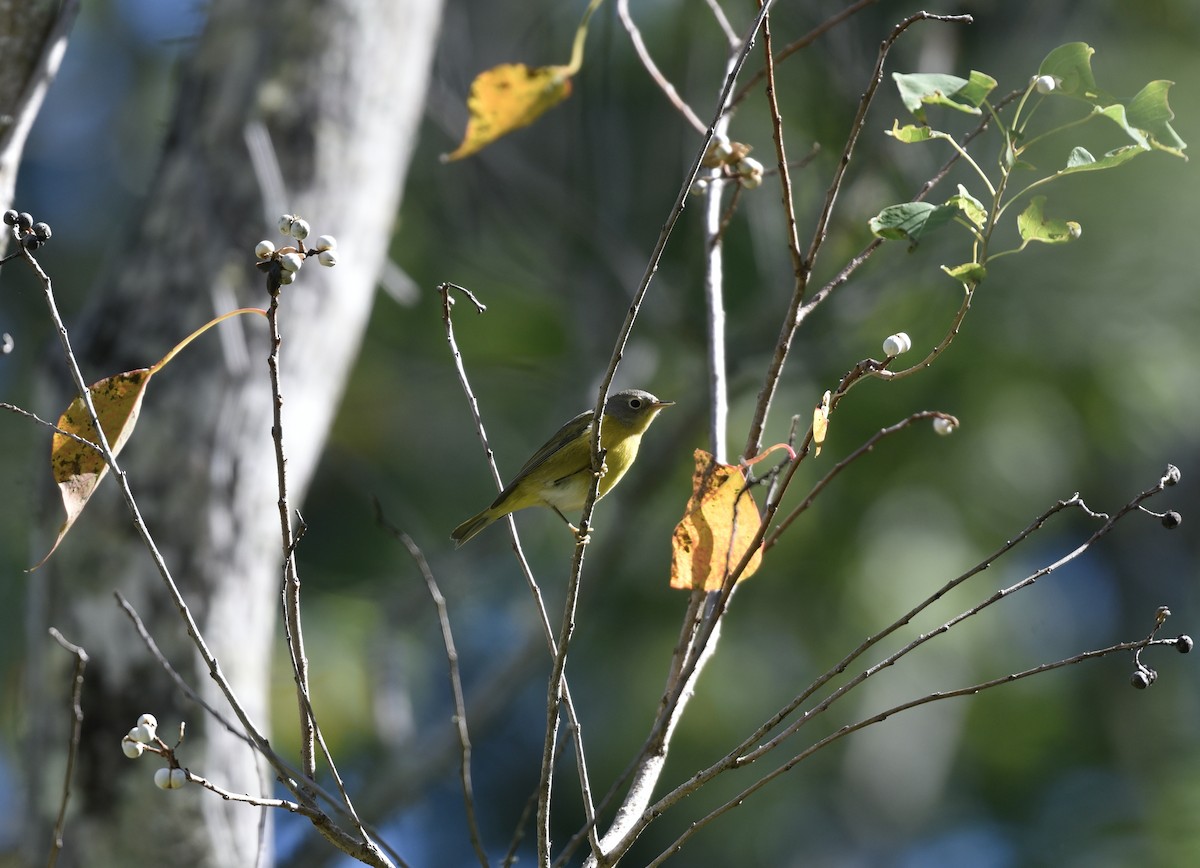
[(718, 527)]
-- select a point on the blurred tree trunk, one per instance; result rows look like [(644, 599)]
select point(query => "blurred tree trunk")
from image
[(340, 89), (33, 37)]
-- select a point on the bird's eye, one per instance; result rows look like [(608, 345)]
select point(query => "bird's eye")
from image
[(635, 403)]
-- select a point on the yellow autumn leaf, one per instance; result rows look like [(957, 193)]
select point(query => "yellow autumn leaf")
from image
[(77, 468), (820, 424), (506, 98), (718, 526)]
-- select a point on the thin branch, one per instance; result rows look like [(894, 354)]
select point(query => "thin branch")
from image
[(444, 290), (792, 317), (82, 441), (894, 710), (290, 589), (858, 453), (311, 736), (81, 661), (139, 627), (803, 42), (643, 53), (750, 750), (366, 851), (785, 178), (456, 688), (723, 22)]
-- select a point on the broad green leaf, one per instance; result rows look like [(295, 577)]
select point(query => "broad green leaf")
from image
[(965, 95), (719, 524), (910, 133), (1071, 65), (1082, 161), (1116, 114), (968, 272), (1150, 112), (1035, 226), (979, 85), (971, 207), (910, 220), (78, 469)]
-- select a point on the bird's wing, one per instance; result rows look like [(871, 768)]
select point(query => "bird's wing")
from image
[(580, 425)]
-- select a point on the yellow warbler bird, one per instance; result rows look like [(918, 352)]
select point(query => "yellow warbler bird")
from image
[(559, 474)]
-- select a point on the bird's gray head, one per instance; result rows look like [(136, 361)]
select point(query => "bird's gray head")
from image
[(634, 406)]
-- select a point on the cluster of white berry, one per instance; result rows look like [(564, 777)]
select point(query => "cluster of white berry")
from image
[(144, 737), (289, 259)]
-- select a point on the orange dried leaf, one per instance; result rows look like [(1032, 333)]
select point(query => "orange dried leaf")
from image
[(506, 98), (718, 526), (77, 468)]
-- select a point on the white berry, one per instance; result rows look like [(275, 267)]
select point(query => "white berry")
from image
[(896, 344), (264, 249), (131, 748), (162, 778), (750, 171), (299, 229), (327, 258), (291, 261), (1045, 84), (285, 223), (178, 778), (943, 426)]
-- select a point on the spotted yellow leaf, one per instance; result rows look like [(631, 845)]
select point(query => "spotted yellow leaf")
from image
[(506, 98)]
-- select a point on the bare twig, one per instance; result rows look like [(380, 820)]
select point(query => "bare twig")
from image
[(364, 850), (140, 627), (456, 688), (792, 317), (643, 53), (858, 453), (785, 178), (310, 733), (81, 661), (752, 748), (82, 441), (803, 42), (290, 589), (846, 730), (576, 729)]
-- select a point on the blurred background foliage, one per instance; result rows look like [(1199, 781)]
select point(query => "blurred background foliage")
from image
[(1075, 371)]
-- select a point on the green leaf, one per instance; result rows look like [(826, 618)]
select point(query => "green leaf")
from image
[(1071, 65), (970, 207), (1082, 161), (910, 220), (1150, 113), (910, 133), (920, 89), (1116, 114), (1035, 226), (968, 272)]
